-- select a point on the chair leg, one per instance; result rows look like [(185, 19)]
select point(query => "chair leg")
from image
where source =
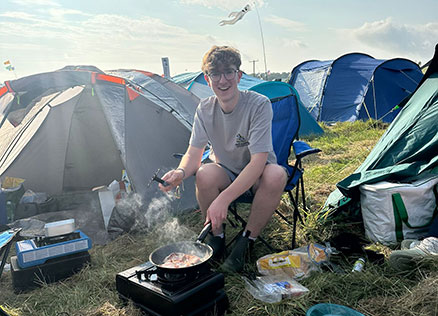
[(296, 216), (283, 217), (303, 196), (233, 210)]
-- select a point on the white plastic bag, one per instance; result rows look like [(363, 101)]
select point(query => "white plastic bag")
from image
[(392, 212), (274, 288)]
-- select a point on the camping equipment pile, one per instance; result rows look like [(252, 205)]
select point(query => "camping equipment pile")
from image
[(60, 252)]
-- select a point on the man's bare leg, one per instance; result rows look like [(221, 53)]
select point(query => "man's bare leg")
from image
[(211, 180), (269, 190)]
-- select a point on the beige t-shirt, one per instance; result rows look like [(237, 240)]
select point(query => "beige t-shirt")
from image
[(235, 136)]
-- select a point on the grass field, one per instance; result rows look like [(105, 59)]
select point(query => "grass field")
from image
[(378, 290)]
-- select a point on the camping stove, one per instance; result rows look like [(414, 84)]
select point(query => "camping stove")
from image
[(175, 294), (39, 250)]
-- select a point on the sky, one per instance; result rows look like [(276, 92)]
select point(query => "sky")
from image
[(275, 35)]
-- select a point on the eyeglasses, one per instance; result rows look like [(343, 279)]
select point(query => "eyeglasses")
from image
[(229, 75)]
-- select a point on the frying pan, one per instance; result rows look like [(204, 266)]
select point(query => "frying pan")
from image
[(197, 248)]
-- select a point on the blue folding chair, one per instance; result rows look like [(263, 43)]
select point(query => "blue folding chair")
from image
[(285, 127)]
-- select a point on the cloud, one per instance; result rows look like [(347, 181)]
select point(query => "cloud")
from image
[(288, 24), (223, 4), (36, 2), (59, 14), (18, 15), (294, 43), (102, 40), (387, 35)]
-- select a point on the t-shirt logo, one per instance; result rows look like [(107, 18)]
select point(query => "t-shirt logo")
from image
[(241, 141)]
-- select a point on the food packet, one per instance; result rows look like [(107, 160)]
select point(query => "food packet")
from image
[(274, 288), (297, 263)]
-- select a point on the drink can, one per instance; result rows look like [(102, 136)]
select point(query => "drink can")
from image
[(358, 265)]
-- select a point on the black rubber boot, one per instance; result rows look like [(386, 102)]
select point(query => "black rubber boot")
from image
[(236, 259), (218, 245)]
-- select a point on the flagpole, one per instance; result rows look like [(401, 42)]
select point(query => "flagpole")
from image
[(263, 41)]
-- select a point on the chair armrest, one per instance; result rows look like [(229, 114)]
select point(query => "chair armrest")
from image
[(302, 149), (205, 155)]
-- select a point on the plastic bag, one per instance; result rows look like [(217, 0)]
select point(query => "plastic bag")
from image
[(274, 288), (297, 263), (31, 197)]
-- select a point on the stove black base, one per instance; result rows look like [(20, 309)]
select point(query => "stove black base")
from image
[(217, 307), (199, 296), (24, 279)]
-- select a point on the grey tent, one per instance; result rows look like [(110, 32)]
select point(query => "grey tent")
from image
[(77, 128)]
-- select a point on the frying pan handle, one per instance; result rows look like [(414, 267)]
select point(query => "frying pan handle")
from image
[(204, 232)]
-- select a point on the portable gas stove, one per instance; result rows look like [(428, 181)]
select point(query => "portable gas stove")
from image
[(39, 250), (200, 293), (59, 253)]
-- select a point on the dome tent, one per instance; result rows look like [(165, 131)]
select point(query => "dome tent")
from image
[(355, 86), (77, 128)]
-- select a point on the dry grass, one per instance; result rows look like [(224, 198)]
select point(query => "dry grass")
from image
[(376, 291)]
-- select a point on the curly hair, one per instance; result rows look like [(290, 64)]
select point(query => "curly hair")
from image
[(220, 56)]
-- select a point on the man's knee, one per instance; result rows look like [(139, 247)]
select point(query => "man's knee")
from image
[(211, 175), (274, 177)]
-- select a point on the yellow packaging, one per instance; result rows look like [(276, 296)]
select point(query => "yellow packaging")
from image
[(10, 182), (297, 263), (292, 263)]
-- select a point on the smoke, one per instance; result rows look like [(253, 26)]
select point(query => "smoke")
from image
[(137, 217), (173, 231)]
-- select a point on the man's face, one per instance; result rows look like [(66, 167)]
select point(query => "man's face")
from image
[(223, 81)]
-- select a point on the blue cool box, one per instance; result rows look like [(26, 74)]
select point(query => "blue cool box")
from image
[(29, 254)]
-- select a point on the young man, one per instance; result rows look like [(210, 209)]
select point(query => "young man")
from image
[(237, 124)]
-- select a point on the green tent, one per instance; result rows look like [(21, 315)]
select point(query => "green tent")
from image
[(408, 149)]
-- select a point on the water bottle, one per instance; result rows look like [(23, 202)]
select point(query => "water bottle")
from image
[(10, 211), (358, 265)]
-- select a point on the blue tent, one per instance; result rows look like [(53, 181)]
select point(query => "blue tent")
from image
[(278, 89), (196, 84), (355, 86)]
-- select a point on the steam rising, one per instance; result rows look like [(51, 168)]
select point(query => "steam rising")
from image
[(135, 216)]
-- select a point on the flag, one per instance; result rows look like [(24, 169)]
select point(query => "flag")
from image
[(236, 16), (8, 65)]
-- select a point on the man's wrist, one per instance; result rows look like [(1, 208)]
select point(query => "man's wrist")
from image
[(183, 171)]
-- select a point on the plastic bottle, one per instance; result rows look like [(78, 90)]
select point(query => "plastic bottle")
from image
[(10, 211), (358, 265)]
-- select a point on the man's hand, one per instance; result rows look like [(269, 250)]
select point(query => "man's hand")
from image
[(173, 178), (216, 214)]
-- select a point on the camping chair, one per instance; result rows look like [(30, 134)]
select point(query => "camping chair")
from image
[(285, 126)]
